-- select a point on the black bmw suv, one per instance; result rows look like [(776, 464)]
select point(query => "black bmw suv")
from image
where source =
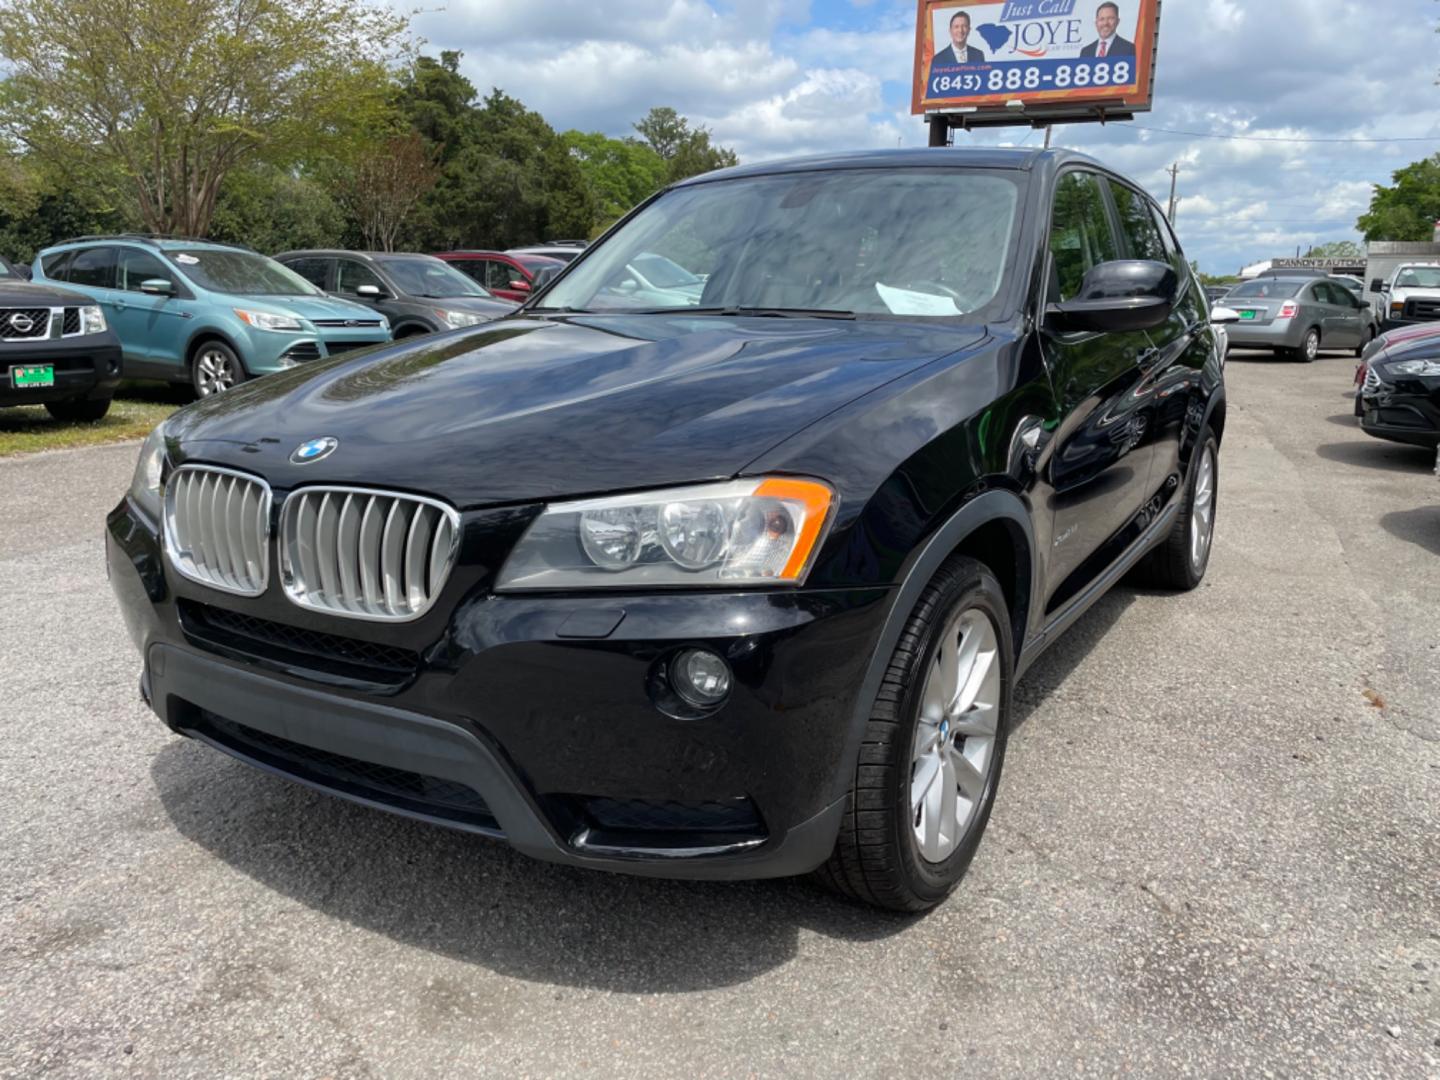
[(730, 585)]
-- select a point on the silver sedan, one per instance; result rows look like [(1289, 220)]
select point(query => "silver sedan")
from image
[(1298, 316)]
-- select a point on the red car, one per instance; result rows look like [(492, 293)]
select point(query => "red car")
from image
[(507, 276)]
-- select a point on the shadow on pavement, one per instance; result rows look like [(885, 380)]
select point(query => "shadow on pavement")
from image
[(1059, 660), (1377, 454), (1420, 526), (1345, 420)]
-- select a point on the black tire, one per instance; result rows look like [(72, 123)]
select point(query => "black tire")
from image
[(1364, 344), (1170, 564), (212, 355), (1307, 351), (79, 410), (877, 858)]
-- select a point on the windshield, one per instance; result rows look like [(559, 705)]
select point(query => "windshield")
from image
[(433, 278), (1419, 277), (908, 242), (1267, 287), (241, 273)]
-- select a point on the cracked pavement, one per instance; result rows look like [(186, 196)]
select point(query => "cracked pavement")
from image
[(1215, 850)]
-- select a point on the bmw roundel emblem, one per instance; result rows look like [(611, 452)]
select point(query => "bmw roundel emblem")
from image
[(314, 450)]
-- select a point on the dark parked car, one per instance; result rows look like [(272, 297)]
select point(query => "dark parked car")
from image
[(1399, 396), (419, 294), (508, 276), (737, 589), (56, 350)]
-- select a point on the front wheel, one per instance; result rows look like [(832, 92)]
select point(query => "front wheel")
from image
[(84, 410), (930, 761), (215, 368)]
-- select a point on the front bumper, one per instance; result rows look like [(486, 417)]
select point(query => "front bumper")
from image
[(510, 725), (1406, 411), (85, 367), (1279, 334)]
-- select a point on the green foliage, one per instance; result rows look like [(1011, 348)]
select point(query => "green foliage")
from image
[(620, 172), (686, 151), (1336, 249), (1409, 209), (273, 210), (175, 94)]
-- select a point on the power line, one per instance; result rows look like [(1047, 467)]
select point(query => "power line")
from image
[(1275, 138)]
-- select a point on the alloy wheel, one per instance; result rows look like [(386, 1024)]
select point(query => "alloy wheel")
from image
[(1202, 510), (214, 372), (1312, 345), (953, 755)]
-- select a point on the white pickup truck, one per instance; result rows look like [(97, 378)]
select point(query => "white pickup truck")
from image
[(1412, 295)]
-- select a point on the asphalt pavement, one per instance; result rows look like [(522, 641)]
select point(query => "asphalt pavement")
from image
[(1216, 850)]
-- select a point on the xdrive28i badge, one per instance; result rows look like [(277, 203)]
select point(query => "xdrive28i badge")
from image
[(314, 450)]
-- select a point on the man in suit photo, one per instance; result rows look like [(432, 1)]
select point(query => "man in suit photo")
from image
[(1107, 21), (957, 52)]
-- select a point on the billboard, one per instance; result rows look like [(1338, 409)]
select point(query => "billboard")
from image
[(1055, 56)]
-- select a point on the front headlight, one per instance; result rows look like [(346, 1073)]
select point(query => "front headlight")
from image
[(92, 320), (1413, 367), (145, 484), (266, 320), (746, 532), (457, 319)]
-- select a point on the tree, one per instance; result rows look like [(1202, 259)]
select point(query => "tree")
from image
[(275, 210), (176, 94), (385, 184), (686, 151), (1336, 249), (619, 172), (1409, 209)]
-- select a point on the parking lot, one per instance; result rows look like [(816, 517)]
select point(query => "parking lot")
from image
[(1216, 849)]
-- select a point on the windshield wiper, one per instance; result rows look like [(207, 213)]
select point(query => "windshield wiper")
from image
[(751, 312), (558, 311)]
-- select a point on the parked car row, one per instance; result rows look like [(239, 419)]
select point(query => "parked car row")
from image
[(212, 315), (1397, 386)]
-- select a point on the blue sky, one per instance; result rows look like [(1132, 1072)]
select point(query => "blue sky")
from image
[(779, 77)]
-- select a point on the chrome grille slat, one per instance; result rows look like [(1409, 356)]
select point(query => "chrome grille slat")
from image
[(366, 554), (217, 528)]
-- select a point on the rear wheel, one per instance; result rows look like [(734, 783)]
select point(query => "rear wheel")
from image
[(215, 368), (78, 409), (1179, 562), (930, 761), (1309, 347)]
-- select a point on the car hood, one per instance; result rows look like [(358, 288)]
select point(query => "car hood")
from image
[(530, 409), (480, 305), (313, 307), (17, 293)]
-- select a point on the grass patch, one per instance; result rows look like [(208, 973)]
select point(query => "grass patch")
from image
[(138, 407)]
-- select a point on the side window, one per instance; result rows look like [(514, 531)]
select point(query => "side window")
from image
[(1320, 291), (137, 266), (1137, 224), (352, 274), (1080, 235), (94, 267), (313, 269), (1193, 303), (498, 275), (56, 266)]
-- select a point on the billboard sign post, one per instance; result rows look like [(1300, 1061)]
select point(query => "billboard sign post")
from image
[(1033, 62)]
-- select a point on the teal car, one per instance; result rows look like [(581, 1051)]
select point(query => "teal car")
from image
[(204, 313)]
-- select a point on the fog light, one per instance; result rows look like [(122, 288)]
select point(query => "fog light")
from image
[(700, 677)]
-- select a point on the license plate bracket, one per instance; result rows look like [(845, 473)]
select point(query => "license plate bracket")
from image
[(32, 376)]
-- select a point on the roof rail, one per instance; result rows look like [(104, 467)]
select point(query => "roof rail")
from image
[(151, 238)]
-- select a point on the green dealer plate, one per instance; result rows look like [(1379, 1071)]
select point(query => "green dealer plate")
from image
[(1247, 315), (31, 375)]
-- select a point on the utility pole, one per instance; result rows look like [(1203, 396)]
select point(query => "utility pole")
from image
[(1174, 172), (1047, 147)]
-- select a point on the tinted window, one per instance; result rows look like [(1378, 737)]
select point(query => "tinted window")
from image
[(351, 274), (909, 242), (1267, 288), (94, 267), (1137, 224), (137, 266), (57, 265), (422, 275), (471, 268), (240, 273), (1080, 235), (313, 269)]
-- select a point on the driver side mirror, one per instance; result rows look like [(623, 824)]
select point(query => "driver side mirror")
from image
[(1118, 297), (1219, 314), (157, 287), (369, 292), (1376, 285), (520, 285)]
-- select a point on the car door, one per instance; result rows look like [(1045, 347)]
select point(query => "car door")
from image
[(155, 328), (92, 272), (1100, 468), (499, 273), (351, 274), (1349, 315)]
